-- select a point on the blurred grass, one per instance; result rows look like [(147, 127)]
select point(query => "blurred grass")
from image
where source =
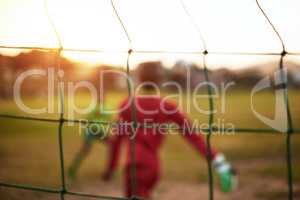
[(29, 149)]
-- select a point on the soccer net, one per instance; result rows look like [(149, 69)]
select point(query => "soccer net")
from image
[(131, 50)]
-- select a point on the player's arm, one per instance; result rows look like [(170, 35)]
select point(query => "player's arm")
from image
[(194, 138), (228, 180), (114, 147)]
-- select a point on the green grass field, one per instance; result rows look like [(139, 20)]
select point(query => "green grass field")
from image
[(29, 149)]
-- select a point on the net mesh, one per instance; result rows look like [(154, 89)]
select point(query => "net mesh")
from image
[(61, 120)]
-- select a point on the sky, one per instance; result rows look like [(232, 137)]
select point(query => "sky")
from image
[(156, 25)]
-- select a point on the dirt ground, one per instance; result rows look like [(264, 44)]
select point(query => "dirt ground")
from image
[(251, 187)]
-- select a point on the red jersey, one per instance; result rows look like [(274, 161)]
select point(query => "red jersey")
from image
[(150, 109)]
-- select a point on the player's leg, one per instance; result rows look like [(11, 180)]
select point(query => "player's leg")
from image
[(92, 132), (146, 179), (81, 154)]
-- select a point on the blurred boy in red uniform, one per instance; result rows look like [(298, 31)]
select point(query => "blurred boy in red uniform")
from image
[(153, 109)]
